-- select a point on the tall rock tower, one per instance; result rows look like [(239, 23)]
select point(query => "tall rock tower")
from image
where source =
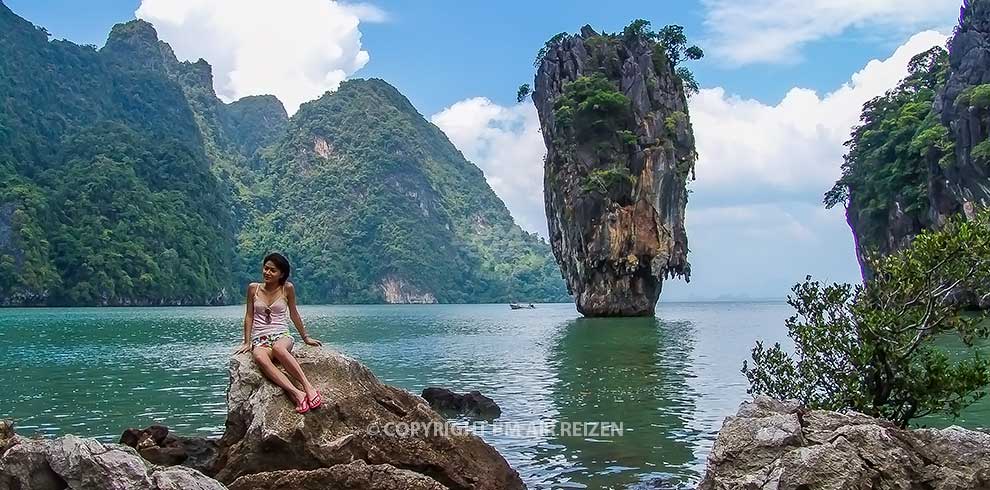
[(620, 149)]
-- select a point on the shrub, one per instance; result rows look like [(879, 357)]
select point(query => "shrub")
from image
[(523, 92), (981, 152), (627, 137), (979, 96), (674, 120), (592, 106), (873, 348), (604, 180)]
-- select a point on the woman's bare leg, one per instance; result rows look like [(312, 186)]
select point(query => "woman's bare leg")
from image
[(280, 351), (263, 356)]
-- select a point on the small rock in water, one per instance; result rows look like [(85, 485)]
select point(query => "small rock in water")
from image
[(660, 483), (472, 404), (156, 445)]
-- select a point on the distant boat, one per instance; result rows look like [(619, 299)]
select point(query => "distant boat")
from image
[(517, 306)]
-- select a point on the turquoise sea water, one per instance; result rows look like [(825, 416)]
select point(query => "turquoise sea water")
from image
[(668, 381)]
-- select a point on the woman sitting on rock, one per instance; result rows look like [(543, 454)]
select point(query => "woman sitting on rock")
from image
[(266, 332)]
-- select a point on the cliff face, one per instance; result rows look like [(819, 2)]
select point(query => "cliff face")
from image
[(125, 180), (104, 175), (380, 206), (619, 151), (922, 151), (965, 181)]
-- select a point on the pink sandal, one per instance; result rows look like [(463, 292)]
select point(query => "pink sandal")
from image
[(303, 406), (316, 402)]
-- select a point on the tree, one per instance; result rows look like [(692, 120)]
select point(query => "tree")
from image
[(674, 43), (553, 41), (523, 92), (687, 78), (874, 348), (638, 28)]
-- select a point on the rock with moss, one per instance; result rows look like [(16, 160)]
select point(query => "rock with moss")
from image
[(964, 105), (620, 150), (922, 151)]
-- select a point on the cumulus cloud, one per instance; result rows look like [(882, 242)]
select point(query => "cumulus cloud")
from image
[(295, 50), (505, 142), (757, 251), (794, 147), (755, 219), (775, 30)]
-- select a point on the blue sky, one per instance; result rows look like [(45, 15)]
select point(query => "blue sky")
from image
[(436, 52), (782, 82)]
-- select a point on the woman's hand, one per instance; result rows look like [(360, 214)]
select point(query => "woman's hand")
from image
[(245, 347), (311, 341)]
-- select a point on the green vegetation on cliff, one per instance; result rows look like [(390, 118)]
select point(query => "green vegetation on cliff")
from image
[(367, 193), (108, 196), (885, 176), (125, 180)]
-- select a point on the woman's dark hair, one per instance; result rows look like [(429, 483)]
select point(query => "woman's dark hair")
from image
[(281, 263)]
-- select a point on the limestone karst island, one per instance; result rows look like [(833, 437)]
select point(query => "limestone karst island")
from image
[(419, 246)]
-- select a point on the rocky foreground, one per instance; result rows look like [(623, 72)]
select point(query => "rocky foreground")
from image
[(771, 444), (349, 444), (354, 441)]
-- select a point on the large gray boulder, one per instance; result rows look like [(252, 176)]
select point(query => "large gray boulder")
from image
[(362, 419), (782, 445), (353, 476), (74, 463)]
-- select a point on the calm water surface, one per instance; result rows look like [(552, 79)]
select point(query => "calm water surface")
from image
[(669, 381)]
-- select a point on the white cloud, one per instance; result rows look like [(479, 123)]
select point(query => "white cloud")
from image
[(755, 220), (295, 50), (760, 250), (793, 147), (505, 142), (775, 30)]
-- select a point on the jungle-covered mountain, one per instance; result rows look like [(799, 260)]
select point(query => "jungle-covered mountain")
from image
[(124, 179)]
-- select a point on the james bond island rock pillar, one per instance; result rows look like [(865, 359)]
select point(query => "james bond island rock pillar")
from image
[(620, 148)]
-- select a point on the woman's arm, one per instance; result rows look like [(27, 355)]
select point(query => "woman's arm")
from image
[(248, 320), (290, 299)]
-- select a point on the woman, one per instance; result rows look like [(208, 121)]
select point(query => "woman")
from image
[(266, 333)]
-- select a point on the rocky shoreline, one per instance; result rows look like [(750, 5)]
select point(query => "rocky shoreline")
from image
[(771, 444), (346, 445)]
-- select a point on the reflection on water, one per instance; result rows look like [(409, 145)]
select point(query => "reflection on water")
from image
[(669, 381), (624, 371)]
